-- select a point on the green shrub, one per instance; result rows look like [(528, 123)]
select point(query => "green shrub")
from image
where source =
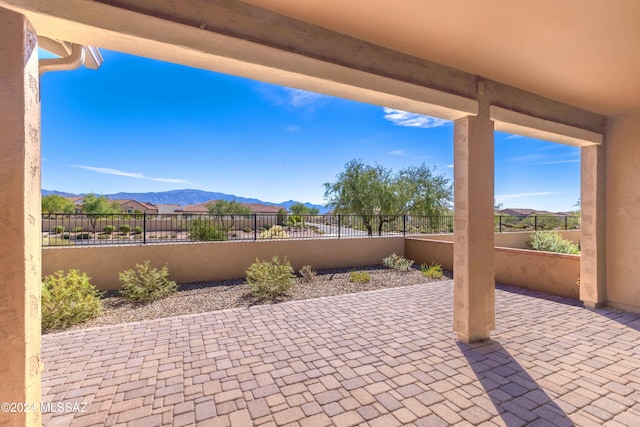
[(76, 229), (275, 232), (125, 229), (68, 299), (552, 241), (58, 229), (308, 273), (137, 230), (108, 229), (56, 241), (359, 277), (270, 279), (204, 231), (66, 236), (145, 283), (433, 271), (82, 236), (397, 262)]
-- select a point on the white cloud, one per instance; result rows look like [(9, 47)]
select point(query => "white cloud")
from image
[(292, 128), (397, 153), (513, 137), (301, 98), (137, 175), (555, 162), (520, 195), (450, 166), (403, 118)]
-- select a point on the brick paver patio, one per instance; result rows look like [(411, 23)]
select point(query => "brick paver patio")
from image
[(381, 358)]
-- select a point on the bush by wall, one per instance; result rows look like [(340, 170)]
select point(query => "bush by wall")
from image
[(146, 284), (68, 299), (270, 279), (397, 262), (552, 241)]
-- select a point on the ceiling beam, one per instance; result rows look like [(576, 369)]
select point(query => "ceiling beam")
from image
[(241, 39)]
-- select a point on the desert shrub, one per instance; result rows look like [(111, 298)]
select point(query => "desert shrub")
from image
[(108, 229), (137, 230), (82, 236), (433, 271), (552, 241), (204, 231), (359, 277), (125, 229), (247, 230), (145, 283), (58, 229), (68, 299), (56, 241), (397, 262), (275, 232), (270, 279), (76, 229), (66, 236), (308, 273)]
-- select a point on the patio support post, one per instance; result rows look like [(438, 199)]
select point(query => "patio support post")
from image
[(592, 235), (473, 252), (20, 259)]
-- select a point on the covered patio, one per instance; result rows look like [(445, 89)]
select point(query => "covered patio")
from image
[(384, 358), (565, 72)]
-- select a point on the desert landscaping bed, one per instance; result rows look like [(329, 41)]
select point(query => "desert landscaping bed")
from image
[(194, 298)]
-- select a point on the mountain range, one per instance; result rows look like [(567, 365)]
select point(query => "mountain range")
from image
[(187, 197)]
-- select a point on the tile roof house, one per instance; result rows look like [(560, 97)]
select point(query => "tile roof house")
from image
[(256, 208)]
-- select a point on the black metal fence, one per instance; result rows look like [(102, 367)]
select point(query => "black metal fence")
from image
[(66, 230)]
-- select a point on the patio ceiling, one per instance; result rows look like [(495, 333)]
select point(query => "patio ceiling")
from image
[(580, 52)]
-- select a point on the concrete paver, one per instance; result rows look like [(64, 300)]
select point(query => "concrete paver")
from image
[(386, 357)]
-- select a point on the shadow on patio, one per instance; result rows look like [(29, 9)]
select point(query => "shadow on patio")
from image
[(386, 357)]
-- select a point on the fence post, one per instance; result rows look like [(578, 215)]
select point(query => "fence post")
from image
[(535, 222), (144, 228), (500, 220), (339, 226), (255, 227), (566, 222), (404, 224)]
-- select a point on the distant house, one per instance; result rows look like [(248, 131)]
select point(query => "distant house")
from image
[(168, 209), (256, 208), (127, 205), (133, 206)]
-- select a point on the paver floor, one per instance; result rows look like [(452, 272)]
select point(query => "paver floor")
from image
[(380, 358)]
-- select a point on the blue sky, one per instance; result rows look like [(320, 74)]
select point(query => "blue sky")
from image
[(139, 125)]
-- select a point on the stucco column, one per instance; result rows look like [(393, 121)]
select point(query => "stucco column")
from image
[(20, 217), (473, 253), (593, 291)]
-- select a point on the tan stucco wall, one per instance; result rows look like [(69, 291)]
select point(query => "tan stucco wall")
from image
[(198, 262), (554, 274), (517, 240), (622, 212)]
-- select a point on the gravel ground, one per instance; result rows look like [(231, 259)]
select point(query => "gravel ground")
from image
[(194, 298)]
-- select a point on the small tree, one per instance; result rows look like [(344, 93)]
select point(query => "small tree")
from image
[(375, 193), (56, 204), (299, 210), (98, 206), (223, 209)]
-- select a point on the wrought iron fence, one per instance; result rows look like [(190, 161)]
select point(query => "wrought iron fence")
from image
[(83, 229)]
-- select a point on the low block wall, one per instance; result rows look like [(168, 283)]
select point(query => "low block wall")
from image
[(200, 262), (547, 272), (515, 239)]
